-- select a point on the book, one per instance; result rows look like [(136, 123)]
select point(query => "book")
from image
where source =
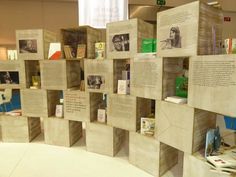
[(181, 87), (54, 51), (222, 163), (81, 51), (176, 99), (147, 126), (68, 52), (100, 48)]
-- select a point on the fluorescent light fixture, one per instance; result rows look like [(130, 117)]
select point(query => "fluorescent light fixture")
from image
[(213, 3)]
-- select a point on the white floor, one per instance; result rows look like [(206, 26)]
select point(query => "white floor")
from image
[(37, 159)]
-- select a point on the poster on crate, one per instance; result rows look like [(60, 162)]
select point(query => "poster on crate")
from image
[(28, 46), (96, 82), (119, 42)]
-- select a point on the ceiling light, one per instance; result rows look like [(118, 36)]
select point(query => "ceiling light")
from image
[(213, 3)]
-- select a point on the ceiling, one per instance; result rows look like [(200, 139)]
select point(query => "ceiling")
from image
[(227, 5)]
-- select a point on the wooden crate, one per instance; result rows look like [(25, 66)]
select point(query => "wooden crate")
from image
[(61, 132), (146, 74), (33, 44), (39, 103), (103, 139), (125, 111), (81, 106), (19, 128), (131, 32), (150, 155), (83, 35), (101, 70), (10, 66), (189, 30), (195, 166), (212, 83), (60, 74), (183, 127)]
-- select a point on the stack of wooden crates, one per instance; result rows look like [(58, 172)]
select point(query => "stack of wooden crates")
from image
[(179, 129)]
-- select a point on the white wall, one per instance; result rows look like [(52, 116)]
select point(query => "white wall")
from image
[(25, 14)]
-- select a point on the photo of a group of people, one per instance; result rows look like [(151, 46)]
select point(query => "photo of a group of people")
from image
[(28, 46), (119, 42), (95, 82)]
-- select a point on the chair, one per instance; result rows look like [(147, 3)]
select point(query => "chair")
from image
[(5, 98)]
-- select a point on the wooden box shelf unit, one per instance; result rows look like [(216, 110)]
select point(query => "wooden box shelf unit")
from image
[(172, 68), (81, 106), (195, 166), (212, 83), (60, 74), (104, 139), (98, 76), (124, 38), (19, 128), (150, 155), (125, 111), (83, 35), (34, 44), (39, 103), (61, 132), (189, 30), (183, 127), (14, 69), (31, 68), (146, 74)]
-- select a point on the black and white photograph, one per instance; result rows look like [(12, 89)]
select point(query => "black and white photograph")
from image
[(95, 81), (9, 77), (28, 46), (119, 42), (173, 41)]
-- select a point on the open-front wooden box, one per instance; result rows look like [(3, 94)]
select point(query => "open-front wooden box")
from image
[(195, 166), (183, 127), (124, 38), (104, 139), (60, 74), (19, 128), (150, 155), (33, 44), (212, 83), (82, 106), (189, 30), (61, 132), (10, 75), (98, 76), (125, 111), (84, 35), (39, 103), (146, 74)]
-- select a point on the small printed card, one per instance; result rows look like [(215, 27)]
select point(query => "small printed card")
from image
[(101, 115), (123, 87), (59, 111), (147, 126)]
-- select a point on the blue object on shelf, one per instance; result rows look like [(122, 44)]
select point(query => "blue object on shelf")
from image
[(15, 102), (230, 123)]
